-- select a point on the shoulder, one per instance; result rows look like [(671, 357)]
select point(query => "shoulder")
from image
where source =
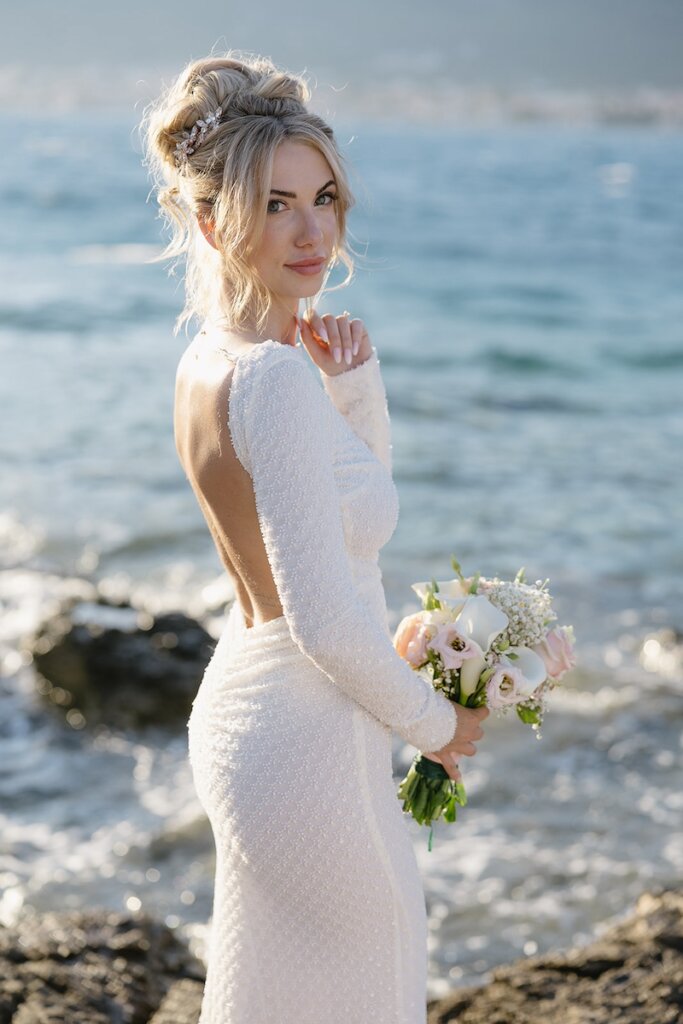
[(272, 365), (274, 398)]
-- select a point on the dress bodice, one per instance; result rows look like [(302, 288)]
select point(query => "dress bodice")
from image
[(320, 462)]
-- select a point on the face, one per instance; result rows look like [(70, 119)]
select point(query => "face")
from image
[(301, 223)]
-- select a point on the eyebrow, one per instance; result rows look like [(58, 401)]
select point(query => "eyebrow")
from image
[(292, 195)]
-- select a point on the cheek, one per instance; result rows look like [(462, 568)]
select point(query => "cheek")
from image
[(268, 246), (331, 222)]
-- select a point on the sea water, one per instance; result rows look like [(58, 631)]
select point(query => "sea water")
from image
[(523, 286)]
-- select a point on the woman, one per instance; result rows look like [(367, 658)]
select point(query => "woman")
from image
[(318, 911)]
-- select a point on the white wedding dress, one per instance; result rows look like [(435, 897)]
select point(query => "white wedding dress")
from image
[(319, 914)]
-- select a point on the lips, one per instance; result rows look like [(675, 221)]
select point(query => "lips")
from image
[(307, 268), (312, 262)]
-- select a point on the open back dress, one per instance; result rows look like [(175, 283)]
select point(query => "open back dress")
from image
[(318, 914)]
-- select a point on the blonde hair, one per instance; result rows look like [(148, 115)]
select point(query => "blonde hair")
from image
[(227, 178)]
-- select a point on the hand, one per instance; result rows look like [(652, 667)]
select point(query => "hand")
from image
[(467, 731), (348, 338)]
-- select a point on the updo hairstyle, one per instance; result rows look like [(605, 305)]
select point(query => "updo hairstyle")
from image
[(227, 179)]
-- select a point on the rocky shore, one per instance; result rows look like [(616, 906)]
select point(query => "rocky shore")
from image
[(633, 974), (96, 967)]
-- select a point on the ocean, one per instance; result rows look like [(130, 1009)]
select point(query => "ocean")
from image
[(523, 285)]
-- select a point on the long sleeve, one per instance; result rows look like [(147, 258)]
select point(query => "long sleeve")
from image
[(359, 395), (282, 433)]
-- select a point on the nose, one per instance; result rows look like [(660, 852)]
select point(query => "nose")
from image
[(310, 231)]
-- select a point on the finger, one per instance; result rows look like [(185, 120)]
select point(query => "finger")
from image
[(357, 328), (315, 331), (483, 712), (316, 324), (330, 323), (310, 336), (345, 337), (467, 748)]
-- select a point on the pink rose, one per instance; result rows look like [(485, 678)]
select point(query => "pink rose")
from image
[(453, 647), (411, 639), (557, 651), (506, 686)]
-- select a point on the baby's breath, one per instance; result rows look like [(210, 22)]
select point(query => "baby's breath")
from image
[(527, 606)]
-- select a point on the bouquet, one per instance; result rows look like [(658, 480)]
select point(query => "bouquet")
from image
[(484, 643)]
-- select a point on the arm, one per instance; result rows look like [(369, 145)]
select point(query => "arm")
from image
[(282, 436), (360, 397)]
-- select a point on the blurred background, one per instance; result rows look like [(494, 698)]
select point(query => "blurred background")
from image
[(517, 166)]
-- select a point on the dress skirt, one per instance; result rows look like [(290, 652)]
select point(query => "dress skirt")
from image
[(318, 911)]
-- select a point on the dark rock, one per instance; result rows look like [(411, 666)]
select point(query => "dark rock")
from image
[(97, 967), (633, 974), (116, 665)]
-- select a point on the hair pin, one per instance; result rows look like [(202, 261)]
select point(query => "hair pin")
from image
[(194, 138)]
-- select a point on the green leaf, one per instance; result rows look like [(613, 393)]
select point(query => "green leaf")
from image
[(459, 794), (475, 583), (456, 568), (450, 813), (528, 715)]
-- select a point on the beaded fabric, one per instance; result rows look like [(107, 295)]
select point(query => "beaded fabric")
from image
[(318, 910)]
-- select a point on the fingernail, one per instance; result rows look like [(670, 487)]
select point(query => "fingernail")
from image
[(323, 333), (336, 352), (355, 348), (347, 356)]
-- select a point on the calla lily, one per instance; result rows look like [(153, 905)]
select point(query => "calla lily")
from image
[(451, 591), (469, 676), (480, 621), (531, 665)]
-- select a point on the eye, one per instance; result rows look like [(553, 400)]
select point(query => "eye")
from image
[(324, 195)]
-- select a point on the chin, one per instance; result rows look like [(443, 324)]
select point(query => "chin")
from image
[(300, 293)]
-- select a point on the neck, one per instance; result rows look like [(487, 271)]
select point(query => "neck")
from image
[(280, 325)]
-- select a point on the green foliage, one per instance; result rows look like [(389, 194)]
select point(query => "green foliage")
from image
[(428, 792), (456, 569), (431, 601), (529, 716)]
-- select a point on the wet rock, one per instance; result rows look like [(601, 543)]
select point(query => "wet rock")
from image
[(100, 662), (95, 967), (632, 974)]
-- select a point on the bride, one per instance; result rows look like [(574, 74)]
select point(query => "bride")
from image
[(318, 910)]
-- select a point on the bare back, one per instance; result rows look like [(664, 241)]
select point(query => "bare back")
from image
[(221, 484)]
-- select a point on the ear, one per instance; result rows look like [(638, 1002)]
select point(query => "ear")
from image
[(207, 227)]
